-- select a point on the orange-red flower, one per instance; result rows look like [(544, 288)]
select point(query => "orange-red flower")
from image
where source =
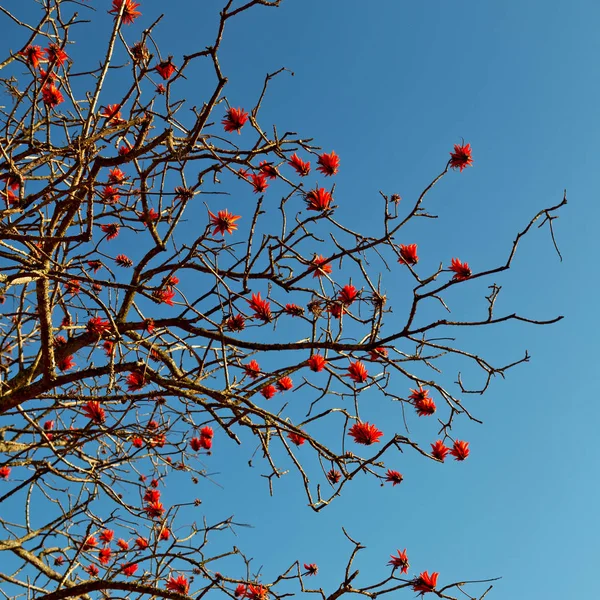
[(294, 310), (252, 369), (425, 406), (311, 569), (116, 176), (439, 450), (106, 536), (268, 391), (56, 55), (94, 411), (51, 95), (90, 542), (207, 432), (461, 157), (319, 268), (111, 230), (73, 287), (178, 584), (284, 384), (104, 555), (316, 363), (65, 363), (141, 543), (164, 296), (240, 591), (400, 561), (296, 438), (333, 476), (155, 510), (152, 495), (95, 265), (461, 270), (34, 55), (425, 582), (378, 353), (318, 199), (358, 372), (92, 570), (328, 163), (393, 477), (348, 295), (123, 261), (165, 534), (122, 544), (223, 221), (408, 254), (110, 195), (235, 323), (234, 120), (97, 326), (128, 569), (302, 167), (129, 12), (166, 68), (112, 114), (136, 381), (257, 592), (419, 394), (267, 169), (259, 182), (149, 216), (137, 442), (195, 444), (460, 450), (4, 473), (365, 433), (261, 308)]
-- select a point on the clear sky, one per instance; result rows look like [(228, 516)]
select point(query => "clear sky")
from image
[(391, 85)]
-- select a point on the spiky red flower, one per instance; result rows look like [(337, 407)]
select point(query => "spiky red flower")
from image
[(336, 309), (112, 114), (164, 535), (316, 363), (97, 326), (425, 582), (48, 425), (400, 561), (47, 77), (268, 391), (166, 68), (358, 372), (92, 570), (163, 296), (104, 555), (95, 265), (206, 442), (419, 394), (51, 95), (4, 473), (128, 569), (122, 544), (439, 450), (34, 55), (294, 310), (129, 12), (393, 477), (141, 543), (240, 591), (348, 295), (56, 55), (257, 592), (235, 323), (460, 450), (296, 438), (207, 432), (318, 199), (365, 433), (155, 510), (152, 495), (302, 168), (90, 542), (73, 287), (110, 195), (378, 353), (319, 268), (328, 164), (149, 216), (111, 230), (408, 254), (195, 444), (425, 407), (160, 89), (137, 442), (94, 411), (234, 120), (136, 381), (116, 176), (267, 169), (259, 182), (311, 569), (461, 157), (124, 261), (261, 308), (334, 476), (108, 347), (223, 222), (284, 384), (124, 150), (106, 536), (183, 193), (461, 270), (252, 369), (65, 363), (178, 584)]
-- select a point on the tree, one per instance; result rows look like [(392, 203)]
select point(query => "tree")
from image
[(149, 319)]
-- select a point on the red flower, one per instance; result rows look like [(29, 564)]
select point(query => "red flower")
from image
[(110, 194), (56, 55), (333, 476), (148, 216), (4, 473), (284, 384), (252, 369), (94, 265), (183, 193), (104, 555), (48, 425), (59, 560), (160, 89), (461, 157), (311, 569), (51, 95), (33, 55), (165, 296), (302, 168), (178, 584), (152, 495), (129, 12), (336, 310), (439, 450), (165, 69), (206, 442), (316, 363), (195, 444), (460, 450), (122, 544), (123, 261), (378, 353), (425, 407), (128, 569), (141, 543), (136, 381), (155, 510), (138, 442), (419, 394), (92, 570), (261, 308), (111, 230), (97, 326), (65, 363), (207, 432), (365, 433), (243, 173), (223, 222), (116, 176), (124, 150), (329, 163), (318, 199), (108, 347), (268, 391), (259, 182), (408, 254), (294, 310), (234, 119), (257, 592), (90, 542), (347, 295), (112, 114), (235, 323), (296, 438), (94, 411), (461, 270), (358, 372), (73, 287), (240, 591), (267, 169), (47, 77), (165, 534), (400, 561), (106, 536), (425, 582), (319, 268), (393, 477)]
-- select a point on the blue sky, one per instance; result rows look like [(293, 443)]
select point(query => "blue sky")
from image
[(391, 86)]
